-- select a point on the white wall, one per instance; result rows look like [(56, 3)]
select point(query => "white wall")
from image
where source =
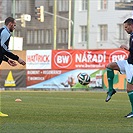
[(111, 17)]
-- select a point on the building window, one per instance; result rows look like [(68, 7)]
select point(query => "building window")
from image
[(103, 4), (121, 33), (48, 36), (63, 5), (123, 0), (103, 34), (63, 36), (83, 33), (30, 37), (124, 4), (50, 2), (84, 5), (35, 37), (18, 5), (17, 33), (40, 36)]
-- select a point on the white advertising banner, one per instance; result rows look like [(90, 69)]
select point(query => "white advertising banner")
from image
[(38, 59)]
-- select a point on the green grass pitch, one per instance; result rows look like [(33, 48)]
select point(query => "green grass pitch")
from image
[(64, 112)]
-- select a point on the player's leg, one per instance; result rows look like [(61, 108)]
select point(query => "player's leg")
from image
[(130, 95), (110, 75), (129, 76), (1, 114)]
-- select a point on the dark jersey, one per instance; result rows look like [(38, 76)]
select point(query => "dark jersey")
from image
[(4, 44), (130, 57)]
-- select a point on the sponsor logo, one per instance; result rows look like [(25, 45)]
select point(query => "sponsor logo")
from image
[(10, 80), (38, 58), (117, 55), (63, 59)]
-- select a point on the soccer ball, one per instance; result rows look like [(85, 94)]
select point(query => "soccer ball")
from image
[(83, 78)]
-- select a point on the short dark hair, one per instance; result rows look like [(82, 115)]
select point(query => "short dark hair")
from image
[(8, 20), (129, 21)]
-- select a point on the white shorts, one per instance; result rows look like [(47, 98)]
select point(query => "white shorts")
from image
[(127, 69)]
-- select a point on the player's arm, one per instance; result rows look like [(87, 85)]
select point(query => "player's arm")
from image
[(130, 49), (13, 57), (131, 45), (5, 58), (10, 54), (10, 62), (124, 47)]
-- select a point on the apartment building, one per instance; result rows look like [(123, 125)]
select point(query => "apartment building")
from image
[(101, 26)]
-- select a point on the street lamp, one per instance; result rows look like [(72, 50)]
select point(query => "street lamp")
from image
[(55, 25), (70, 23), (13, 12), (88, 23), (69, 29)]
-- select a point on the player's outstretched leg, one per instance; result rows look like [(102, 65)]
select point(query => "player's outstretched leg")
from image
[(2, 114), (110, 76), (130, 94), (109, 94), (130, 115)]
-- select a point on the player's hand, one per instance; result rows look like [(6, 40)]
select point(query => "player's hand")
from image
[(12, 63), (124, 47), (22, 62)]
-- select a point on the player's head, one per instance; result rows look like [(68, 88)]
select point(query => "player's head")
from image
[(128, 25), (10, 23)]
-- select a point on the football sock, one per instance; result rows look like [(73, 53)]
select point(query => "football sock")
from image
[(130, 94), (110, 76)]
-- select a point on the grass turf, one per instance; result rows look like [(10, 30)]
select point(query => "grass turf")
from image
[(65, 112)]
